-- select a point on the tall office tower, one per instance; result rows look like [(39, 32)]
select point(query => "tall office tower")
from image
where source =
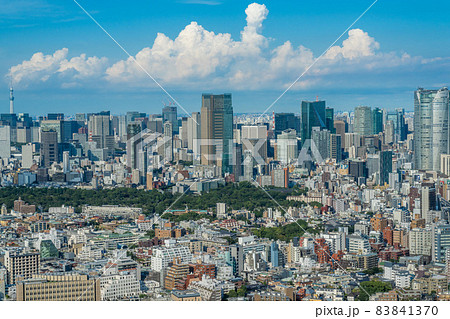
[(27, 155), (184, 132), (247, 166), (122, 127), (99, 127), (5, 141), (385, 166), (169, 113), (431, 127), (312, 114), (321, 139), (284, 121), (287, 146), (329, 119), (274, 254), (357, 168), (11, 100), (54, 125), (194, 134), (363, 121), (398, 119), (237, 259), (217, 131), (428, 201), (254, 139), (66, 162), (168, 141), (389, 133), (336, 147), (21, 264), (339, 128), (49, 147), (377, 120)]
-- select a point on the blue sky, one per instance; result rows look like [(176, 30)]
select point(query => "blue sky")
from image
[(61, 61)]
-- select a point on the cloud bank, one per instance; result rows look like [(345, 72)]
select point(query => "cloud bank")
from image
[(206, 60)]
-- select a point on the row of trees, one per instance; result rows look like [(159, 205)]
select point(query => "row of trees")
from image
[(237, 196)]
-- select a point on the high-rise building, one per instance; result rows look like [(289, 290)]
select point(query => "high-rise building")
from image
[(329, 119), (398, 120), (431, 127), (21, 265), (284, 121), (287, 146), (312, 114), (99, 127), (254, 139), (217, 131), (169, 113), (237, 259), (336, 147), (49, 147), (194, 134), (321, 139), (27, 155), (377, 120), (54, 125), (363, 121), (385, 166), (5, 141), (274, 254), (168, 141)]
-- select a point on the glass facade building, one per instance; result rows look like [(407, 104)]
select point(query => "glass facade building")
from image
[(431, 127), (312, 114)]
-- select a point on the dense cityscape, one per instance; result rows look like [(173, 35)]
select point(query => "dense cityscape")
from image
[(313, 205)]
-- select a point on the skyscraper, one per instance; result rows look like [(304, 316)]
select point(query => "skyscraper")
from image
[(385, 166), (284, 121), (194, 134), (5, 141), (431, 127), (287, 147), (217, 131), (169, 113), (321, 138), (312, 114), (398, 120), (329, 119), (49, 147), (274, 254), (363, 121), (377, 120), (336, 147), (100, 128)]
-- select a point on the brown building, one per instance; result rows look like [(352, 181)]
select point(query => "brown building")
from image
[(378, 223), (176, 275), (22, 207), (60, 287)]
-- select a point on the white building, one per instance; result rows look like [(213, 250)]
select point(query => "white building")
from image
[(162, 256)]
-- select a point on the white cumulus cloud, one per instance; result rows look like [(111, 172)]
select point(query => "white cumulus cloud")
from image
[(201, 58)]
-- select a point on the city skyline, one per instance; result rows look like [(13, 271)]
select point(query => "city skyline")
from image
[(370, 65)]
